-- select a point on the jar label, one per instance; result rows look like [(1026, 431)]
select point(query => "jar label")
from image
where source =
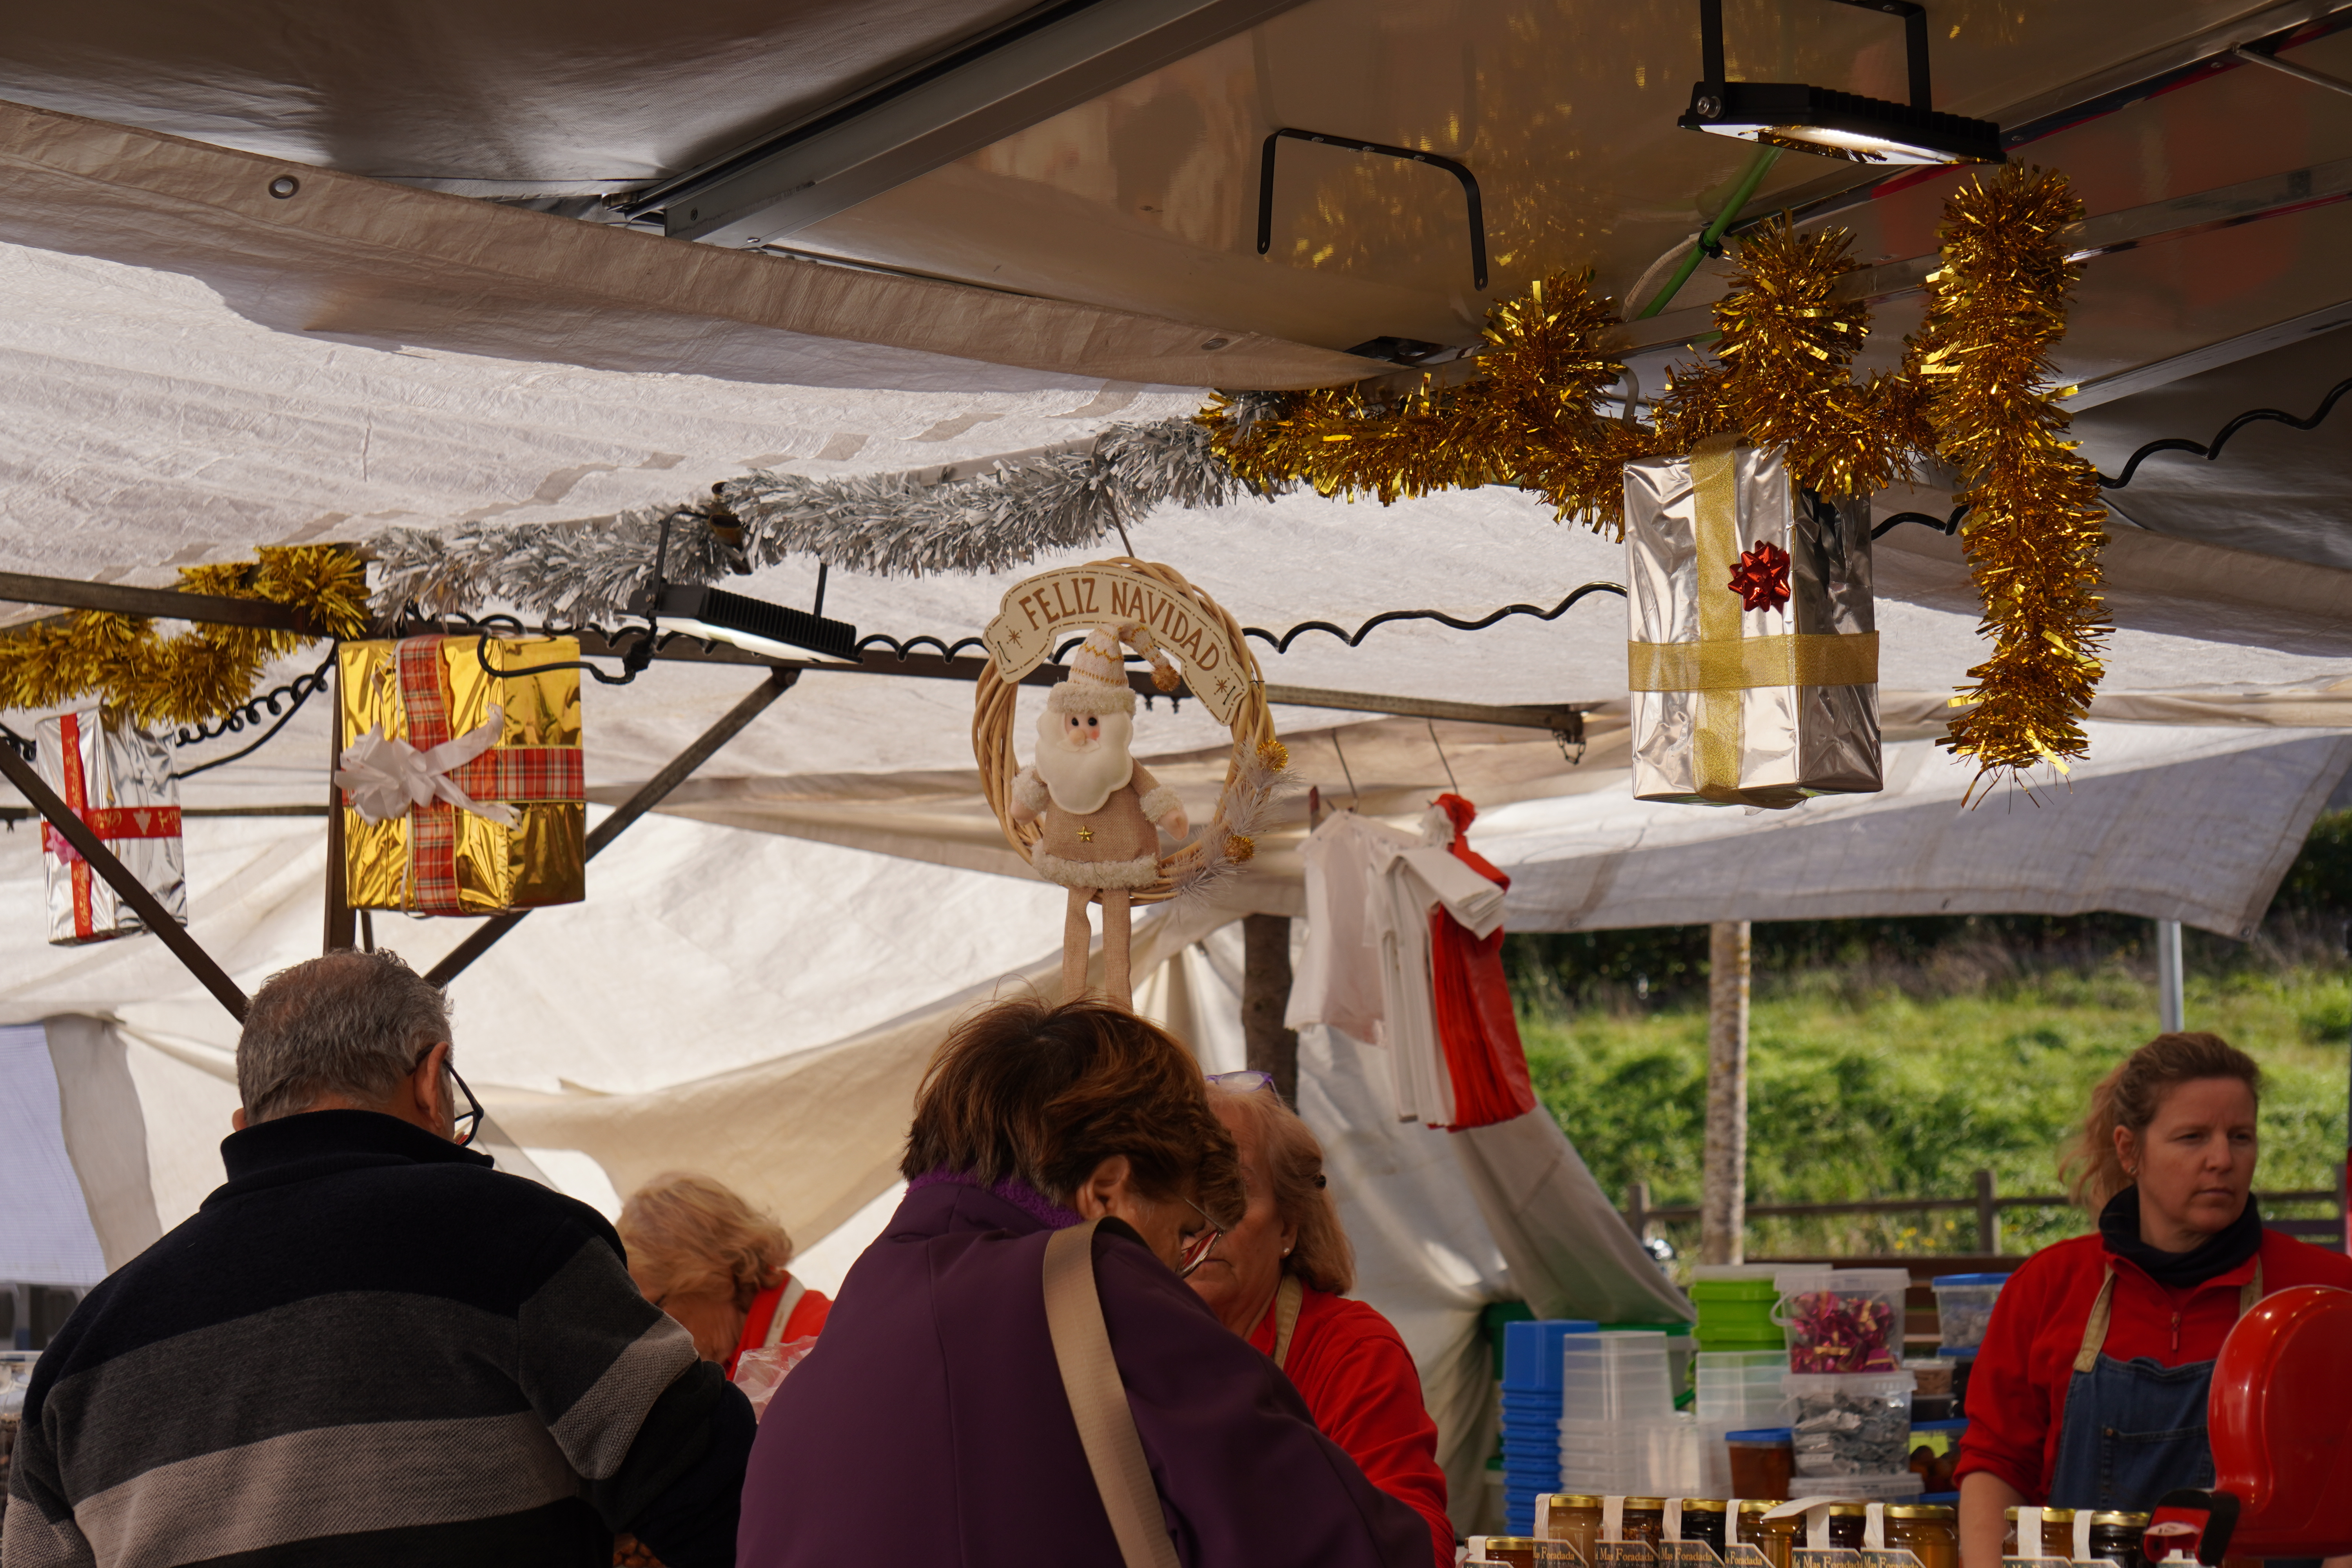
[(1624, 1554), (1688, 1554), (1891, 1558)]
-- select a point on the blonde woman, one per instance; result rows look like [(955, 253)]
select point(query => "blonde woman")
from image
[(717, 1265), (1280, 1280), (2089, 1391)]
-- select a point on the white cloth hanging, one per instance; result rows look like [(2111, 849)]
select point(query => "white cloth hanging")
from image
[(1370, 888)]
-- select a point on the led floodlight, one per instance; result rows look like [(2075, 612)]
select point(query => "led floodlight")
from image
[(753, 625), (1834, 124)]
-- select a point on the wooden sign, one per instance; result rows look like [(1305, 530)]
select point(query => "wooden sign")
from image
[(1041, 613)]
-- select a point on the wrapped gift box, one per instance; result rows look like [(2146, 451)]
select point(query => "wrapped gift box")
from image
[(1753, 652), (118, 779), (451, 853)]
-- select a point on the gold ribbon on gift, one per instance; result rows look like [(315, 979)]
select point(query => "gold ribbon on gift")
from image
[(1722, 663), (1845, 658)]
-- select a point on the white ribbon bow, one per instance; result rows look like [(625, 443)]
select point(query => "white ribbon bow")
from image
[(386, 778)]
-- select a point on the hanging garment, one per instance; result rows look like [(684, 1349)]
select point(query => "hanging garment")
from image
[(1366, 970), (1477, 1031), (1337, 981)]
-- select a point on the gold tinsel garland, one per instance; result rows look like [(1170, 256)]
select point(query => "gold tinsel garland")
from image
[(202, 675), (1974, 389), (1784, 375), (1531, 418), (2034, 530)]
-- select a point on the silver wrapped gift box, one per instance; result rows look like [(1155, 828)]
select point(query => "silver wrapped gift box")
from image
[(1753, 655), (118, 779)]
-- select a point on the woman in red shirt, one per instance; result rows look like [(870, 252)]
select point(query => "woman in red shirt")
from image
[(1280, 1280), (717, 1265), (2089, 1389)]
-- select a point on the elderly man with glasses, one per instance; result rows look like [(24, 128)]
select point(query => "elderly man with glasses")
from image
[(369, 1346)]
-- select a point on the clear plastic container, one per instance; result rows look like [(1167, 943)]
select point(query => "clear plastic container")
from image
[(1964, 1306), (1761, 1462), (1848, 1424), (1842, 1319), (1898, 1486)]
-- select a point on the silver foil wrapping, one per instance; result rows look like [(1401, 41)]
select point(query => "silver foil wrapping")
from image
[(118, 779), (1732, 719)]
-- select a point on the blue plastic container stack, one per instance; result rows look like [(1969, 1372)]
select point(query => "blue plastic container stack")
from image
[(1532, 1367)]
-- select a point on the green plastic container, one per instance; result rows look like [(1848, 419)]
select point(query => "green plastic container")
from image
[(1728, 1290)]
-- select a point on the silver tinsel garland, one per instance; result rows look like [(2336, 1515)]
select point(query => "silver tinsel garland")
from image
[(879, 525)]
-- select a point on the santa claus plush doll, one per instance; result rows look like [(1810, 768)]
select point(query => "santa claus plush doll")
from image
[(1100, 807)]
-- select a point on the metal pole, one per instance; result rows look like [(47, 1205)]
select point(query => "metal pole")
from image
[(339, 935), (1266, 996), (2167, 976), (1637, 1210), (1723, 1182)]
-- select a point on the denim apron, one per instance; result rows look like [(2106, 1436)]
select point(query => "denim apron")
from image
[(2132, 1430)]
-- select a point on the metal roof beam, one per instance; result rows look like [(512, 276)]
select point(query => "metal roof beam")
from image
[(1055, 58)]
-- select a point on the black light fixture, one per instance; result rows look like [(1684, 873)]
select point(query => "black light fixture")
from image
[(753, 625), (1834, 124)]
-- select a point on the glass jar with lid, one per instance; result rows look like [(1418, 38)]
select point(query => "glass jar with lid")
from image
[(1574, 1517), (1703, 1521), (1645, 1519), (1846, 1520), (2117, 1538), (1518, 1550), (2057, 1534), (1775, 1538), (1929, 1531)]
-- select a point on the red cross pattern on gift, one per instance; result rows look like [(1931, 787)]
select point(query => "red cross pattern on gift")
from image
[(1760, 577)]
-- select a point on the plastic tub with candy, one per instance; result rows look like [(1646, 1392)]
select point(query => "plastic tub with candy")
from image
[(1842, 1320)]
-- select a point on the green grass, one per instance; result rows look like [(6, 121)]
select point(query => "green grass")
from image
[(1862, 1088)]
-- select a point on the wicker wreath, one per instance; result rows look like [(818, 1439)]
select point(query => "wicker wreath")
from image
[(1256, 765)]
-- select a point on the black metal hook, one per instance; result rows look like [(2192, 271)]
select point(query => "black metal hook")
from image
[(1459, 170)]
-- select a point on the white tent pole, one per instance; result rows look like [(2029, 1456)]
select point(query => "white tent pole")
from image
[(1723, 1183), (2167, 976)]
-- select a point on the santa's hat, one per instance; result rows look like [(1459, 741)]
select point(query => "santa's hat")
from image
[(1097, 680)]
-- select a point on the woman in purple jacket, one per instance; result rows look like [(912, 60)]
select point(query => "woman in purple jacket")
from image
[(930, 1424)]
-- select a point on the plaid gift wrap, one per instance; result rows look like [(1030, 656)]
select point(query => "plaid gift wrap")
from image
[(439, 859), (118, 779), (1753, 658)]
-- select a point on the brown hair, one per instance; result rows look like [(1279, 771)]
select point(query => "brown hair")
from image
[(2129, 1098), (1322, 1255), (1045, 1094), (691, 1236)]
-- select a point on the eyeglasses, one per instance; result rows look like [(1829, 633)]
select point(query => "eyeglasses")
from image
[(1204, 1242), (469, 1122), (1245, 1082)]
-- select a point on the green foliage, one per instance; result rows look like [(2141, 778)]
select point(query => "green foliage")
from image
[(1869, 1090)]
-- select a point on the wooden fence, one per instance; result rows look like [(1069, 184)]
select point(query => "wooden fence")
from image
[(1988, 1203)]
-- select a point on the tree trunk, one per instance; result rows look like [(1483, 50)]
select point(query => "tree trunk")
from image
[(1266, 996), (1723, 1185)]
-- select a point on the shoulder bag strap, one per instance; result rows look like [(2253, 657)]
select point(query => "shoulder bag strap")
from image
[(1099, 1400), (1287, 1298)]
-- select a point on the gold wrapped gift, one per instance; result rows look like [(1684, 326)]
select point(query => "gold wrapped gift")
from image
[(503, 821), (1754, 656)]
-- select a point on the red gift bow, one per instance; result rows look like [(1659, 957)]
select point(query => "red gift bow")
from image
[(104, 822), (1761, 577)]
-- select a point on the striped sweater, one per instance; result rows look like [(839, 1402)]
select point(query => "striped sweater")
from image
[(367, 1348)]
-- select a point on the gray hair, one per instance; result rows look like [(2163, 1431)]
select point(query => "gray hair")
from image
[(350, 1024)]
